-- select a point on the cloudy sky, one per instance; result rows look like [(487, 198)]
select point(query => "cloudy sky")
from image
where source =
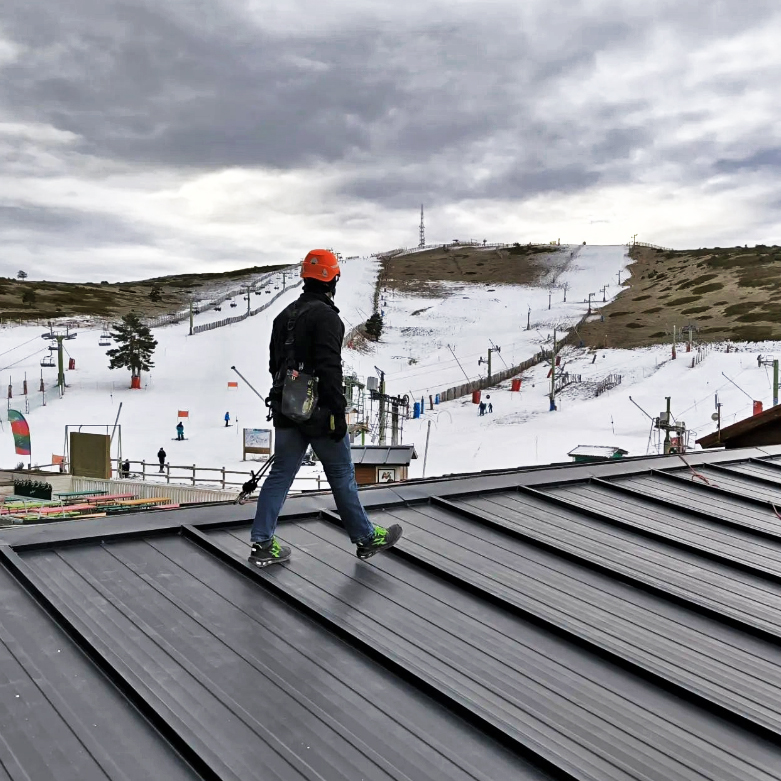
[(147, 137)]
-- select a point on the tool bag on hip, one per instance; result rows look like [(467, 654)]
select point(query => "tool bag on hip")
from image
[(298, 388)]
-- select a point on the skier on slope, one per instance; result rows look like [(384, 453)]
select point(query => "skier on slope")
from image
[(161, 454), (227, 419)]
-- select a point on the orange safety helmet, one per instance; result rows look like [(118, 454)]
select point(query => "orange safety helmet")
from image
[(320, 264)]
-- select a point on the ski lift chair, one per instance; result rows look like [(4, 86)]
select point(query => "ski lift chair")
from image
[(233, 303), (47, 362), (105, 339), (218, 309)]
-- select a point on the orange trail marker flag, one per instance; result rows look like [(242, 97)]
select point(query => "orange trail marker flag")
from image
[(21, 432), (233, 386), (183, 413)]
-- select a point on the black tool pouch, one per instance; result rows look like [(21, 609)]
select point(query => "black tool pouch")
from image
[(298, 388)]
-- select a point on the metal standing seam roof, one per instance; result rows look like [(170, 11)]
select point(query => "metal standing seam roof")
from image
[(606, 451), (616, 621), (371, 455)]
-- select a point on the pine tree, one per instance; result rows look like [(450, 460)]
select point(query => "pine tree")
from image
[(373, 326), (135, 345)]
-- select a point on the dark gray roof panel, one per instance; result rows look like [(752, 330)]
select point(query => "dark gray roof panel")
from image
[(60, 720), (592, 717), (602, 622), (271, 694), (668, 523), (692, 497), (380, 454)]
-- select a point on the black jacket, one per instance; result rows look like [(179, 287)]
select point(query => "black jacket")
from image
[(317, 343)]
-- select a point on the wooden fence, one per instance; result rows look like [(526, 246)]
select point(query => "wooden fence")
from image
[(467, 388), (219, 477), (651, 246), (611, 381)]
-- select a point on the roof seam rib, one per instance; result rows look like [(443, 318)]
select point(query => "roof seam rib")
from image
[(457, 704), (685, 691), (188, 745), (645, 585)]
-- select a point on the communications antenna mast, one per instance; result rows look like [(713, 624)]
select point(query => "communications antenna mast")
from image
[(422, 229)]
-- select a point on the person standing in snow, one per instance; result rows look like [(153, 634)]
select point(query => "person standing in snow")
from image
[(180, 430), (227, 419), (309, 333), (490, 407), (482, 408), (161, 454)]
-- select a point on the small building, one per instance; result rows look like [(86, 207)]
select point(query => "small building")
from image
[(584, 454), (764, 428), (382, 463)]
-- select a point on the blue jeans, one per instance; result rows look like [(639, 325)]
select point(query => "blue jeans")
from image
[(337, 462)]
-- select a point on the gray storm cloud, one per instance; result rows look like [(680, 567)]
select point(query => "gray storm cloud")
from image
[(487, 103)]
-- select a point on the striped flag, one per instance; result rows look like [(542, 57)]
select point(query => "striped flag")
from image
[(21, 432)]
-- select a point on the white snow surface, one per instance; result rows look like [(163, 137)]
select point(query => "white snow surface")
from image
[(191, 373)]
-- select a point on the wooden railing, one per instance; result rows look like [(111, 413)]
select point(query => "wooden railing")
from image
[(188, 474)]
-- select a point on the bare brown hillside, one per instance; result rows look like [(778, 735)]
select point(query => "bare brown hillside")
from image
[(420, 271), (729, 293), (33, 299)]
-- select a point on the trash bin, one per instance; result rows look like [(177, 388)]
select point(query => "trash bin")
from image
[(516, 384), (476, 397), (416, 410)]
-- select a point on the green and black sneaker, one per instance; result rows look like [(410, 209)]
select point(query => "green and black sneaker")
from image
[(271, 552), (382, 540)]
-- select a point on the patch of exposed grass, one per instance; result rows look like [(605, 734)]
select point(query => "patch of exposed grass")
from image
[(742, 308), (702, 289), (734, 262), (658, 335), (697, 280), (634, 325), (753, 333), (683, 300), (653, 310), (694, 310), (752, 317), (618, 314), (640, 298)]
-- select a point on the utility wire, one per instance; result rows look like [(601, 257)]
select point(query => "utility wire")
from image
[(31, 355), (20, 345)]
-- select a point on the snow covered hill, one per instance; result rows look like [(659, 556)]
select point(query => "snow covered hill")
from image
[(429, 342)]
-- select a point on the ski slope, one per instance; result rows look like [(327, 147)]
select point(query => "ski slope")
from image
[(429, 343)]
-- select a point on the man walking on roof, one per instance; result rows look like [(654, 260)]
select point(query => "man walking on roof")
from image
[(312, 329)]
